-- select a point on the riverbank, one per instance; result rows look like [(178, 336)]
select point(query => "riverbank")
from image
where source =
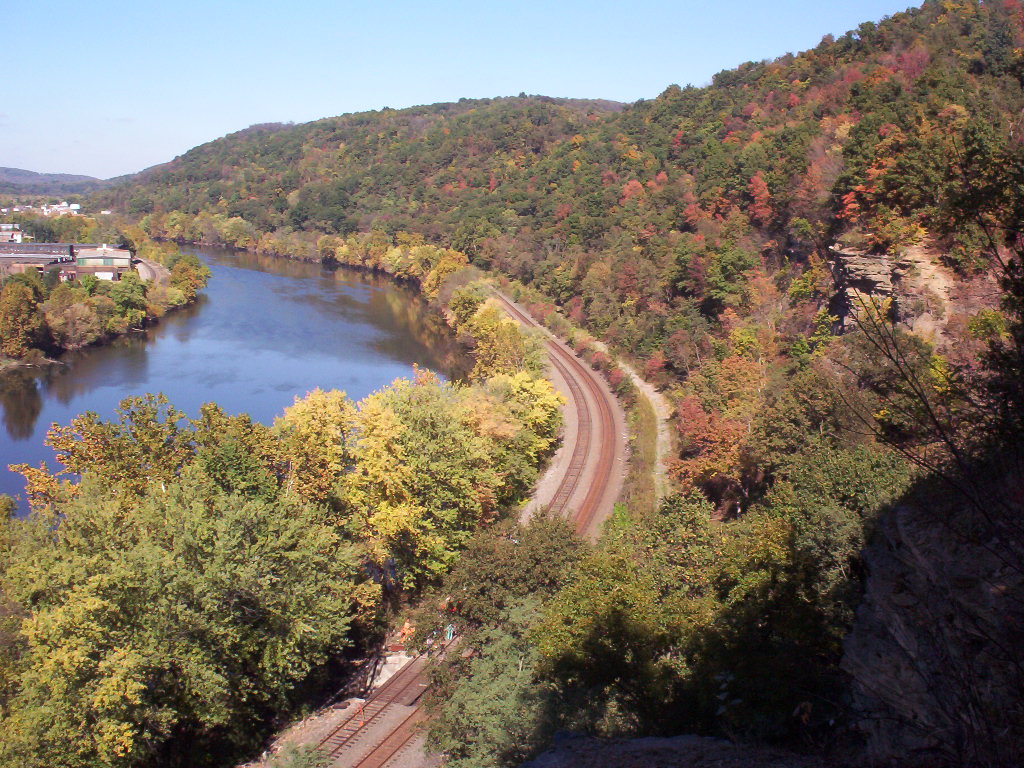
[(9, 364), (404, 257), (263, 331), (42, 318)]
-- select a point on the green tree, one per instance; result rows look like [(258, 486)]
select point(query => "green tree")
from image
[(189, 275), (491, 707), (128, 293), (71, 317), (148, 443), (165, 631)]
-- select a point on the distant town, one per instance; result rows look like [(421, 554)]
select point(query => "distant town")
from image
[(62, 208)]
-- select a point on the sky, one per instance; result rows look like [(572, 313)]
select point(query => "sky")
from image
[(107, 88)]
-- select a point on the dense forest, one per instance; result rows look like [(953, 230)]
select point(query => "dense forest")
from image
[(818, 259)]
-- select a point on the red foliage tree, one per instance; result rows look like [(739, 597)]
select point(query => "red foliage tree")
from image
[(615, 377), (655, 367), (760, 209), (574, 310), (631, 189)]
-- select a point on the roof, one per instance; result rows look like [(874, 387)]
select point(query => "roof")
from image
[(35, 249)]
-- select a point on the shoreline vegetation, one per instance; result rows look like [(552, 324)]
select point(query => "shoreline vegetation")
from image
[(402, 258), (41, 317), (274, 553)]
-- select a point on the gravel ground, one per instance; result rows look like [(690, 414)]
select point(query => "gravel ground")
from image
[(571, 751)]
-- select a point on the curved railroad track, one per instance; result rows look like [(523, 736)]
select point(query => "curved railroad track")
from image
[(581, 448), (581, 381), (383, 730)]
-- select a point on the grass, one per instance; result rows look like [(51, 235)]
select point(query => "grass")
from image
[(638, 491)]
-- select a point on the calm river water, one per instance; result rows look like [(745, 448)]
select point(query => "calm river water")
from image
[(266, 330)]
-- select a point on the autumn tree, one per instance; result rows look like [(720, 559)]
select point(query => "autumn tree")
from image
[(501, 346), (189, 275), (314, 430), (761, 206), (433, 461), (21, 323)]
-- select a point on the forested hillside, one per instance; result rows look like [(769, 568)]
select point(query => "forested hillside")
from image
[(692, 230), (15, 181), (818, 257)]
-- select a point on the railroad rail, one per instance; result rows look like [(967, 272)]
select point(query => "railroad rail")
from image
[(383, 729), (581, 448), (404, 688), (573, 371), (396, 743)]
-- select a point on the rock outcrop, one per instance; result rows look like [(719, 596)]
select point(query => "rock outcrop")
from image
[(862, 279), (870, 274), (936, 655), (913, 287)]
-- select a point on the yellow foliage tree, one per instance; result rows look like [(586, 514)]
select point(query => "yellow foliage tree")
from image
[(314, 433)]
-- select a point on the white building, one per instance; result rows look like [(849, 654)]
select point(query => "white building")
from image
[(10, 233), (61, 209)]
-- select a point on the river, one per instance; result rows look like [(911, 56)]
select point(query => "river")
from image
[(265, 330)]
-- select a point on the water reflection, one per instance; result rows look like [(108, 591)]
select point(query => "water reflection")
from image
[(177, 323), (267, 329), (21, 403), (125, 361)]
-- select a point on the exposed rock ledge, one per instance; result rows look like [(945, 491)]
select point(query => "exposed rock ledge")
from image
[(862, 278), (916, 285), (866, 272)]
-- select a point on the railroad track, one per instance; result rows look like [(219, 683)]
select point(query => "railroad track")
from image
[(398, 699), (399, 741), (574, 371), (581, 449), (405, 688)]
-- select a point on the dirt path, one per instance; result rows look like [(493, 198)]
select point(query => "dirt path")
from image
[(150, 270), (663, 410)]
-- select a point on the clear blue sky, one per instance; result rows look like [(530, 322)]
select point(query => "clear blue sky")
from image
[(105, 88)]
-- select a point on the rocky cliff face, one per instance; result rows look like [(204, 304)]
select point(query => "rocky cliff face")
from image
[(864, 280), (863, 273), (937, 653), (913, 287)]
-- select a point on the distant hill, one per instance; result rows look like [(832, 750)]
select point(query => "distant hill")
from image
[(14, 181), (399, 168)]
